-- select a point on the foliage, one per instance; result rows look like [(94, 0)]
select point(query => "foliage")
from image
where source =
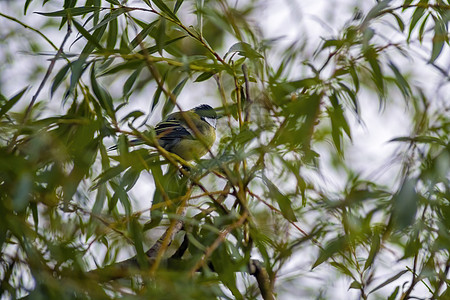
[(231, 223)]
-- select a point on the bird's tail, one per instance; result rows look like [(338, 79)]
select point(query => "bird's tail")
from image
[(131, 143)]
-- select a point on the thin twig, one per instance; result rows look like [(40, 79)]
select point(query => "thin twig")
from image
[(31, 28), (47, 74), (248, 99)]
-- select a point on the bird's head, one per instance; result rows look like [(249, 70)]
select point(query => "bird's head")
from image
[(207, 114)]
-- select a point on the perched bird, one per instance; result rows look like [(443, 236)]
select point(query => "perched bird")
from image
[(189, 134)]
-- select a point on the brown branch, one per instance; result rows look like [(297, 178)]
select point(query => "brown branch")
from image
[(159, 248), (262, 278)]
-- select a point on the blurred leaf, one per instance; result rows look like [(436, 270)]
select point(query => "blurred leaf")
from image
[(374, 248), (177, 5), (391, 279), (22, 192), (401, 82), (422, 28), (439, 38), (108, 175), (419, 139), (375, 12), (417, 15), (400, 23), (355, 285), (243, 49), (59, 77), (405, 204), (336, 245), (11, 102), (136, 233), (283, 201), (394, 294), (372, 57)]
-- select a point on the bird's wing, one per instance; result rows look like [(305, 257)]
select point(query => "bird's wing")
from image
[(172, 129)]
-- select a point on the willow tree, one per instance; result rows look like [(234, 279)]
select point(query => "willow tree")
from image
[(232, 224)]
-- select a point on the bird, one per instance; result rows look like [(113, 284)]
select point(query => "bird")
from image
[(188, 134)]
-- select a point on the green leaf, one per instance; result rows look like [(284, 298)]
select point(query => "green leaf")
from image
[(163, 7), (401, 82), (161, 36), (375, 12), (177, 5), (158, 197), (405, 204), (401, 24), (243, 49), (59, 77), (158, 92), (372, 57), (374, 248), (110, 17), (130, 82), (355, 285), (137, 235), (122, 195), (134, 114), (419, 139), (422, 28), (154, 49), (22, 192), (142, 35), (114, 2), (130, 178), (25, 8), (11, 102), (112, 34), (108, 175), (100, 199), (343, 269), (417, 15), (127, 65), (103, 97), (336, 245), (87, 35), (394, 294), (391, 279), (283, 201), (351, 95), (177, 90), (439, 38), (204, 76), (76, 11)]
